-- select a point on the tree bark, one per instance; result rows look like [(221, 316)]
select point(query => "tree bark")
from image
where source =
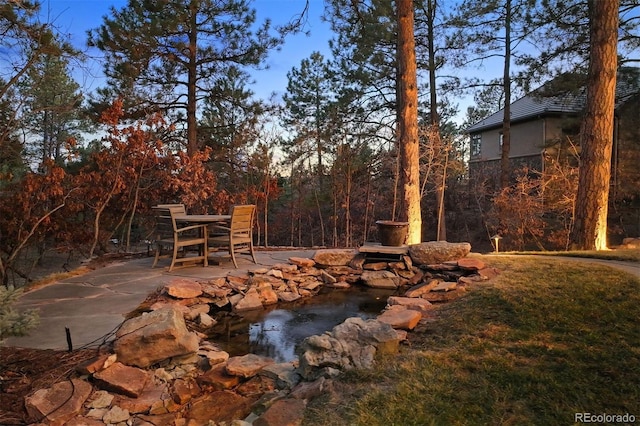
[(435, 136), (407, 94), (192, 76), (596, 136), (505, 149)]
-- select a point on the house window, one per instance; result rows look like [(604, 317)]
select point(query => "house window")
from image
[(476, 143), (501, 139)]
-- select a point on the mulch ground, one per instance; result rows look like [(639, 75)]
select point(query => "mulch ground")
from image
[(23, 371)]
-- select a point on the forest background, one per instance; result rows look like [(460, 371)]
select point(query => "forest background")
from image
[(177, 121)]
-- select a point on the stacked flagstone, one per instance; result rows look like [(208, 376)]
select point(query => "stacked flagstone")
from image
[(162, 370)]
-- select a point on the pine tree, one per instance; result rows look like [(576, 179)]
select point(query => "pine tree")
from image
[(12, 322), (230, 125), (52, 116), (168, 54), (494, 28), (408, 122), (308, 103), (12, 164), (596, 133)]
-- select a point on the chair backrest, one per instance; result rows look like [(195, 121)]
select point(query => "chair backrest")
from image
[(167, 206), (242, 219), (165, 221)]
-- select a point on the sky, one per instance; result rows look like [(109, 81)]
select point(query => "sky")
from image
[(76, 17)]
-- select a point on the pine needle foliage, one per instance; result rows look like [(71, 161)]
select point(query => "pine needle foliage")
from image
[(12, 322)]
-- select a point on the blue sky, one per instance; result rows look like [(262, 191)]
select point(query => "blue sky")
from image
[(75, 17)]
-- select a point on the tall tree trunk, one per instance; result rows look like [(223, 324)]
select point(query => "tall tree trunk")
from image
[(435, 121), (347, 212), (367, 208), (266, 208), (505, 165), (334, 221), (408, 122), (596, 136), (192, 76), (320, 218)]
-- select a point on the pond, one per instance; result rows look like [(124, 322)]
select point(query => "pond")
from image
[(276, 332)]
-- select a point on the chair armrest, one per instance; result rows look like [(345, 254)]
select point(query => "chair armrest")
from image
[(190, 227), (219, 228)]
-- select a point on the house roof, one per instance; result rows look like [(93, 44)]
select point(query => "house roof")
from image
[(536, 104)]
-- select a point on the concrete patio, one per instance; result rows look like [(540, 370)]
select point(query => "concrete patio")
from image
[(93, 305)]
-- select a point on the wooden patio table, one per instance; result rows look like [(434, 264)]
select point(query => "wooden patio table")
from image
[(203, 218), (206, 219)]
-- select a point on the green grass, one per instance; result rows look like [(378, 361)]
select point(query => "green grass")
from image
[(544, 340), (627, 255)]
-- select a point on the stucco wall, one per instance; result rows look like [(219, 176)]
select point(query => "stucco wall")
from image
[(526, 139)]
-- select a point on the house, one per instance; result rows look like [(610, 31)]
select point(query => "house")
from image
[(550, 116)]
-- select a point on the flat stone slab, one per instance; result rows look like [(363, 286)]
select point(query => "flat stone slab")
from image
[(398, 316), (247, 365), (379, 248), (58, 403), (122, 379)]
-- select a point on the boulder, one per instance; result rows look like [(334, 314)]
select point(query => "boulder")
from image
[(302, 261), (471, 264), (275, 273), (334, 257), (268, 296), (217, 379), (100, 399), (444, 296), (284, 374), (182, 288), (205, 320), (116, 415), (98, 363), (84, 421), (398, 316), (445, 286), (284, 412), (183, 390), (59, 403), (358, 261), (288, 296), (416, 304), (153, 337), (309, 390), (352, 344), (195, 311), (218, 407), (631, 243), (488, 273), (431, 252), (214, 356), (151, 394), (380, 279), (376, 266), (122, 379), (327, 278), (249, 302), (247, 365), (420, 289)]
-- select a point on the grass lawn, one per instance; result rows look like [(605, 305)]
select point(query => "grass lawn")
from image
[(546, 339), (628, 255)]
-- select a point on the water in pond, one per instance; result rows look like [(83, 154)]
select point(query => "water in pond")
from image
[(275, 333)]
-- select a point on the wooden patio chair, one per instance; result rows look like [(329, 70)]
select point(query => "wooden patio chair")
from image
[(166, 206), (237, 238), (170, 233)]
